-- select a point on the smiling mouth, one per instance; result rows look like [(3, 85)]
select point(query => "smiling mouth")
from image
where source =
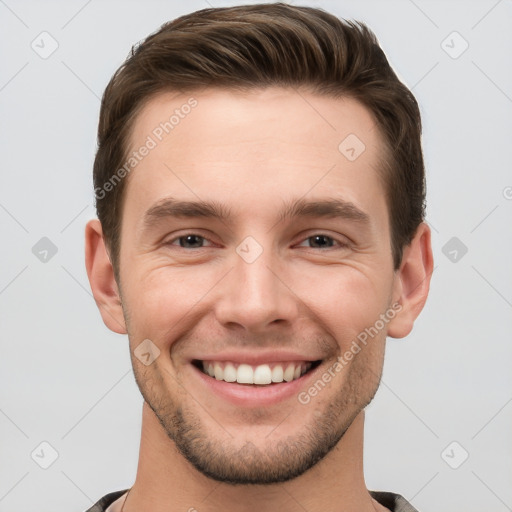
[(259, 375)]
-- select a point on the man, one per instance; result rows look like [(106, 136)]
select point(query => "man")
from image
[(260, 194)]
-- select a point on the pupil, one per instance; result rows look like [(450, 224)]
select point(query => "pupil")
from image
[(316, 238), (189, 240)]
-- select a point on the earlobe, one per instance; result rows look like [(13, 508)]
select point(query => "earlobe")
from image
[(412, 282), (101, 278)]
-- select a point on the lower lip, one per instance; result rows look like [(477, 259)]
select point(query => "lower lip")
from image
[(244, 395)]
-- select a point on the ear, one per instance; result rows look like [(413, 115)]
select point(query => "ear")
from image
[(412, 282), (101, 278)]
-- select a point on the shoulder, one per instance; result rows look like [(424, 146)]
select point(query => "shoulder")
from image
[(392, 501), (107, 500)]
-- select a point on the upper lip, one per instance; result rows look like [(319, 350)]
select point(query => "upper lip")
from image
[(256, 358)]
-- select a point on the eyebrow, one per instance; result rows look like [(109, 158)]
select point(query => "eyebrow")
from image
[(328, 208)]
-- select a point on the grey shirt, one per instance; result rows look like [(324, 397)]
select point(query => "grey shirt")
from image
[(394, 502)]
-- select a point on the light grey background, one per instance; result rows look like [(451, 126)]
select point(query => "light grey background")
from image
[(67, 380)]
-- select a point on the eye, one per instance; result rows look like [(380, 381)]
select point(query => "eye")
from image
[(188, 241), (319, 241), (195, 241)]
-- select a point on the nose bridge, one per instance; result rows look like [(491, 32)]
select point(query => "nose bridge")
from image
[(254, 295)]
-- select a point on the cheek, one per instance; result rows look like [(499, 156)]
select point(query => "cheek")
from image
[(346, 300), (164, 302)]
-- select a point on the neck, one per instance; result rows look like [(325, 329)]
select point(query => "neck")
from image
[(166, 481)]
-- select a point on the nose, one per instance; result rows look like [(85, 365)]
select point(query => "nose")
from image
[(256, 295)]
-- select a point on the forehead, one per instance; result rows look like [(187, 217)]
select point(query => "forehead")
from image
[(247, 149)]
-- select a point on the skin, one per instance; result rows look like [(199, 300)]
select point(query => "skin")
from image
[(253, 152)]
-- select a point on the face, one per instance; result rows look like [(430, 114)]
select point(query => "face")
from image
[(255, 295)]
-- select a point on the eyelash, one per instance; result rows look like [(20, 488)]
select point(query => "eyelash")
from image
[(342, 245)]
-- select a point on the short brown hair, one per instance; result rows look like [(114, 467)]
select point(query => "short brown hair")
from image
[(263, 45)]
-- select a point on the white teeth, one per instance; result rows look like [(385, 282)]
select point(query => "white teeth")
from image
[(277, 373), (244, 374), (260, 375), (289, 373), (218, 372), (230, 373)]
